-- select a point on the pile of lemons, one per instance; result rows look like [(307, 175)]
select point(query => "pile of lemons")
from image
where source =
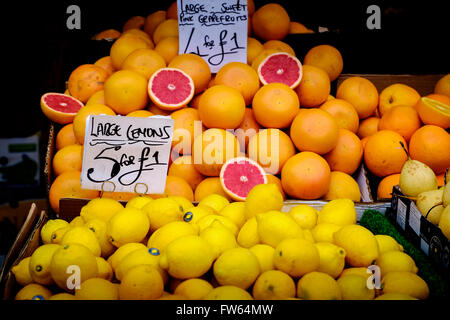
[(167, 248)]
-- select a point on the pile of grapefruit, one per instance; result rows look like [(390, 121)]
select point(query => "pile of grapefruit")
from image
[(276, 109)]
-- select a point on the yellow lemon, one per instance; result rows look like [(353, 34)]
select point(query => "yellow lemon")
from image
[(138, 202), (162, 211), (324, 232), (33, 291), (359, 243), (58, 234), (263, 198), (50, 226), (21, 272), (219, 237), (339, 211), (39, 265), (77, 222), (194, 289), (354, 287), (115, 259), (142, 282), (105, 270), (169, 232), (182, 201), (62, 296), (100, 208), (361, 271), (99, 228), (395, 261), (296, 257), (406, 283), (395, 296), (228, 293), (275, 226), (264, 254), (170, 296), (195, 214), (215, 202), (304, 215), (97, 289), (187, 257), (248, 235), (72, 262), (307, 235), (206, 221), (387, 243), (332, 259), (226, 272), (84, 236), (128, 225), (235, 211), (318, 286), (273, 285)]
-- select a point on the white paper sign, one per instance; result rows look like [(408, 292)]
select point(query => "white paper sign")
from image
[(126, 154), (216, 30)]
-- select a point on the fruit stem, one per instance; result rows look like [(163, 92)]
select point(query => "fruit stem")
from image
[(404, 148)]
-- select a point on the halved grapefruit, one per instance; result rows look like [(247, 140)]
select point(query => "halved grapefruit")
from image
[(239, 175), (171, 88), (281, 67), (434, 109), (60, 108)]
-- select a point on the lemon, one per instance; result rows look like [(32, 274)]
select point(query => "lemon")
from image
[(142, 282), (62, 296), (194, 289), (99, 227), (104, 269), (406, 283), (162, 211), (395, 296), (304, 215), (387, 243), (296, 257), (50, 226), (187, 257), (72, 262), (219, 237), (77, 222), (84, 236), (361, 271), (235, 211), (339, 211), (195, 214), (33, 291), (324, 232), (264, 254), (395, 261), (273, 285), (21, 272), (215, 201), (39, 265), (444, 222), (138, 202), (275, 226), (263, 198), (115, 259), (170, 296), (206, 221), (137, 257), (97, 289), (248, 235), (332, 259), (58, 234), (169, 232), (226, 271), (359, 243), (354, 287), (128, 225), (307, 235), (183, 202), (318, 286), (100, 208), (228, 293)]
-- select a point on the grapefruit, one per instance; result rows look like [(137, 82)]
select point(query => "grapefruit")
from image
[(239, 175), (281, 67), (60, 108), (171, 88)]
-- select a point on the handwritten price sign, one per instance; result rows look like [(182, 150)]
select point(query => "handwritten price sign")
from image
[(126, 154), (216, 30)]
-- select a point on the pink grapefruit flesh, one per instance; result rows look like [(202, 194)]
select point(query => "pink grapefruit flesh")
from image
[(60, 108), (171, 88), (281, 67), (239, 175)]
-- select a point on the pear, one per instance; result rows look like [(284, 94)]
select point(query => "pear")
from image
[(416, 177), (430, 205), (446, 195)]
